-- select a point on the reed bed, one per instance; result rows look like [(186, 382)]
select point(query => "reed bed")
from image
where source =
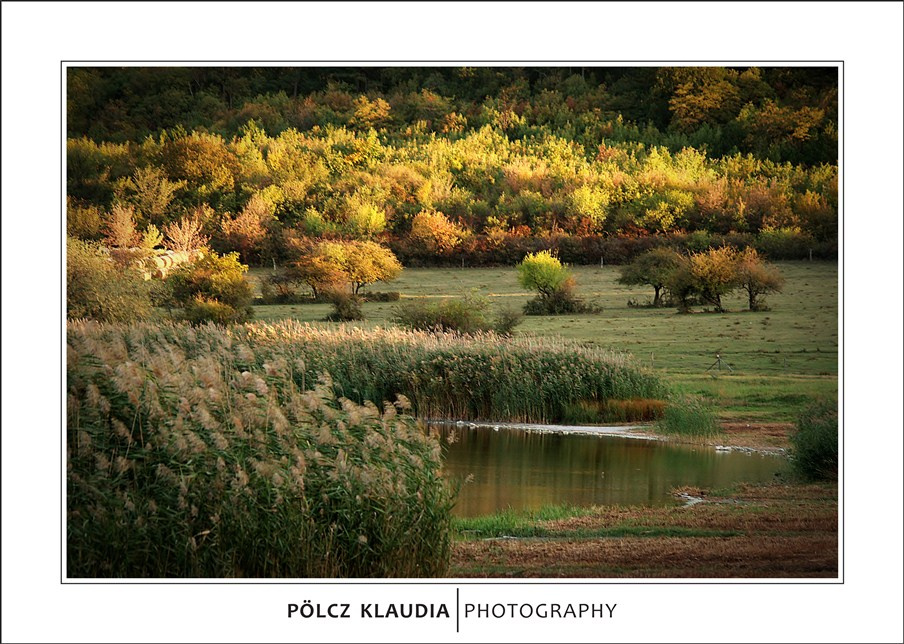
[(266, 450), (689, 416), (193, 452), (450, 376)]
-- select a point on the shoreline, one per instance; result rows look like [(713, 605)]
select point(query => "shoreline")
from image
[(752, 438)]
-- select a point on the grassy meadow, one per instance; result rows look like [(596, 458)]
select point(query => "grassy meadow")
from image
[(779, 358)]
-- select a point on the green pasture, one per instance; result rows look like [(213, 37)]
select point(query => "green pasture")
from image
[(778, 358)]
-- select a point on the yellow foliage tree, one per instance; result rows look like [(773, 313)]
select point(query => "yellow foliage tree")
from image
[(433, 231)]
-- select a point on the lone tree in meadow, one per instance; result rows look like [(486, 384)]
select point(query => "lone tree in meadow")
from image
[(757, 278), (329, 265), (543, 272), (654, 268)]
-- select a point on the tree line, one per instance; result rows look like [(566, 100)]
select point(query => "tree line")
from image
[(781, 113), (435, 196)]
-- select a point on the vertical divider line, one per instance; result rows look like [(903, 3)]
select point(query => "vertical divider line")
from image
[(456, 610)]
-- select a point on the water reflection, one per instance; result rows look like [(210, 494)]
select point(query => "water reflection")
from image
[(527, 470)]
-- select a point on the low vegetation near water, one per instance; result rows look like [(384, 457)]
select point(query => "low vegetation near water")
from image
[(814, 446), (262, 450), (688, 416), (186, 457)]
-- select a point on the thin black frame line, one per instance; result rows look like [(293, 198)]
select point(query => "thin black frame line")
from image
[(63, 425), (841, 335), (64, 581), (452, 61)]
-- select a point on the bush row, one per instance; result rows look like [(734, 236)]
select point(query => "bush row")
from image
[(482, 250)]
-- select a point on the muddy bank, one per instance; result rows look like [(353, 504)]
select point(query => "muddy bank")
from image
[(751, 531)]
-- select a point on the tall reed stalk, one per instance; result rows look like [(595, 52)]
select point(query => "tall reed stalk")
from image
[(188, 457)]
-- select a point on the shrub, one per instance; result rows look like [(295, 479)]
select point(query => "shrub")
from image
[(688, 416), (381, 296), (507, 319), (346, 307), (189, 457), (784, 243), (467, 315), (201, 310), (561, 302), (814, 446), (213, 278), (98, 290), (281, 287)]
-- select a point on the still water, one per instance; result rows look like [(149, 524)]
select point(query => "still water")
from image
[(518, 469)]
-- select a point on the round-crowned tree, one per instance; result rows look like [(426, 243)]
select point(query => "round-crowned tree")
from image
[(653, 268), (545, 273)]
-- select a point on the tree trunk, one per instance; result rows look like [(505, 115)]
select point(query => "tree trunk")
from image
[(656, 297)]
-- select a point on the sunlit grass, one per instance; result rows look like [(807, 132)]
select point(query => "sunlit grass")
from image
[(779, 357)]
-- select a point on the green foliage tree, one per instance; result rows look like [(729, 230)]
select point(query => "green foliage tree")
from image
[(654, 268), (554, 283), (213, 288), (97, 289), (369, 113), (682, 285), (83, 221), (543, 272), (703, 95), (362, 218), (151, 238)]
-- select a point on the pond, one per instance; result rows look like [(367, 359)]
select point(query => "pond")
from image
[(522, 469)]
